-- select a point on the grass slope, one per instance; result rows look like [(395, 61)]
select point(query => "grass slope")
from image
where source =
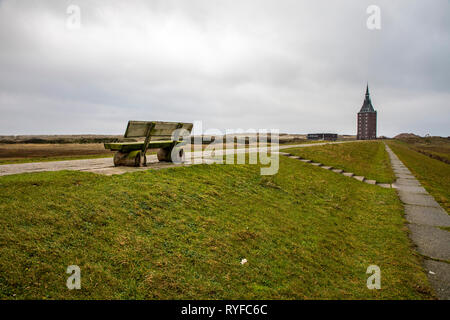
[(181, 233), (368, 159), (433, 174)]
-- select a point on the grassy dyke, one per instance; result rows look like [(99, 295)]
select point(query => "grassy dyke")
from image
[(433, 174), (307, 233), (368, 159)]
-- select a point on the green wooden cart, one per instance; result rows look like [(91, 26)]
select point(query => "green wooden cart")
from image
[(157, 135)]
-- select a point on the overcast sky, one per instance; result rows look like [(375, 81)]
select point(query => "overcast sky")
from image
[(298, 66)]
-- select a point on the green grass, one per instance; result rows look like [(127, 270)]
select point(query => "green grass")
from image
[(433, 174), (307, 233), (368, 159)]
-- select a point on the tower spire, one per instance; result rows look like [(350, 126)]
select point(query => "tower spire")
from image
[(367, 119), (367, 105)]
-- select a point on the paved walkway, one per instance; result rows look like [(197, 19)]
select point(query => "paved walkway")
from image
[(425, 217), (339, 171), (106, 166)]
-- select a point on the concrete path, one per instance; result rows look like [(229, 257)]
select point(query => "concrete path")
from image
[(106, 166), (425, 217), (339, 171)]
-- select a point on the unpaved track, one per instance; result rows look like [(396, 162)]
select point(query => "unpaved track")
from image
[(106, 166)]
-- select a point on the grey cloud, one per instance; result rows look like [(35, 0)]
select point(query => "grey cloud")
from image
[(298, 66)]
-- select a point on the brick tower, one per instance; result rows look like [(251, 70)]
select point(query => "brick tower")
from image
[(367, 120)]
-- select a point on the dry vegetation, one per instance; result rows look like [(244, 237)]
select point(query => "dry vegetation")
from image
[(434, 147), (28, 152)]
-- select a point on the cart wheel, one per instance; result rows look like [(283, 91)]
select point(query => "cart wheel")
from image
[(164, 154), (118, 157), (140, 160)]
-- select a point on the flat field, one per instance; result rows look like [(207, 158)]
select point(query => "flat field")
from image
[(36, 152)]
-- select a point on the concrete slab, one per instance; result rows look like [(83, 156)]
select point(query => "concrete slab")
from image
[(429, 216), (402, 171), (417, 199), (439, 276), (338, 170), (370, 181), (348, 174), (399, 166), (407, 182), (409, 188), (384, 185), (405, 176), (294, 157), (317, 164), (327, 167), (359, 178), (431, 241), (306, 160)]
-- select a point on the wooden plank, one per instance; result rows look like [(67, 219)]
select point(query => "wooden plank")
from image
[(165, 130), (140, 129), (166, 125), (137, 129), (160, 138), (132, 146), (175, 125), (151, 126), (126, 145)]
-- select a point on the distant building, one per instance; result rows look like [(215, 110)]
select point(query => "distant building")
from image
[(367, 120), (322, 136)]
